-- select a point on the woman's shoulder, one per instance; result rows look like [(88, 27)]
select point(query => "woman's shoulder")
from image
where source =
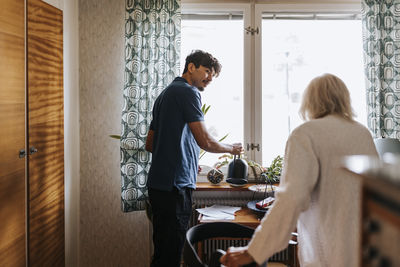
[(331, 123), (309, 125)]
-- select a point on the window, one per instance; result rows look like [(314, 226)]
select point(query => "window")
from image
[(214, 31), (296, 50), (258, 94)]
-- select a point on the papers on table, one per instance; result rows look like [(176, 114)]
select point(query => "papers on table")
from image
[(218, 213)]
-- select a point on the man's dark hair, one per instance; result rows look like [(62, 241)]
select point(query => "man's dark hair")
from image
[(199, 57)]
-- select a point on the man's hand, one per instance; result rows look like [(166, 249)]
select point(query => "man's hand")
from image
[(149, 141), (237, 148), (236, 256)]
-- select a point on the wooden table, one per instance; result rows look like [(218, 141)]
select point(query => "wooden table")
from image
[(244, 216)]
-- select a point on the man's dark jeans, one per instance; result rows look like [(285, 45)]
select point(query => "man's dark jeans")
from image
[(171, 216)]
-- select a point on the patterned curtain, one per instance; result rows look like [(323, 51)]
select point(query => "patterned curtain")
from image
[(152, 51), (381, 38)]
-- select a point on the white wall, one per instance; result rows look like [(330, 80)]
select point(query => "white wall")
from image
[(56, 3)]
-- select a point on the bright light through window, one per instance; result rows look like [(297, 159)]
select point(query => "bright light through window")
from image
[(293, 53), (224, 40), (289, 54)]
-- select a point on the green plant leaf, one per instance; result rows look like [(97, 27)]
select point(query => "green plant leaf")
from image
[(222, 139), (273, 172), (206, 109), (202, 153), (203, 108)]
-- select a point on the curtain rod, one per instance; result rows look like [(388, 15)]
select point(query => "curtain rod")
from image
[(274, 16), (312, 15)]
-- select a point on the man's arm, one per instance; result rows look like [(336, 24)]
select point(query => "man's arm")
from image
[(208, 143), (149, 141)]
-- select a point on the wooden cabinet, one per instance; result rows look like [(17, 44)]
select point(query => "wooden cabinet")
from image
[(31, 119), (12, 133), (380, 219)]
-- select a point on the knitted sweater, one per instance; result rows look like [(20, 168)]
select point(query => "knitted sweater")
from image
[(317, 196)]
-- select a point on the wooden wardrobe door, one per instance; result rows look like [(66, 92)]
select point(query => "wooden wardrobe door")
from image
[(45, 134), (12, 134)]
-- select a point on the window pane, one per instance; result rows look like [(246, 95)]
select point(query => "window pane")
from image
[(224, 40), (293, 53)]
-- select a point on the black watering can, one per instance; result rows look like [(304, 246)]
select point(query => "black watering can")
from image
[(237, 171)]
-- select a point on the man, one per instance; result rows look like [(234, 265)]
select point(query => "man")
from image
[(177, 132)]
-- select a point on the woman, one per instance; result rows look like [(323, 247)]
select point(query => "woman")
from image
[(315, 194)]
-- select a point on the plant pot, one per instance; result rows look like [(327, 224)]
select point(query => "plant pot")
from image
[(215, 176)]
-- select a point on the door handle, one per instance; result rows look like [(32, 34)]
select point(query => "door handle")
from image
[(32, 150), (253, 146), (22, 153)]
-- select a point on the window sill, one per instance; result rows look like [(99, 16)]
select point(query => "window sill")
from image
[(223, 186)]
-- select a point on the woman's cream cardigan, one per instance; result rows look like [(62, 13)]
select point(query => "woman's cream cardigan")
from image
[(317, 196)]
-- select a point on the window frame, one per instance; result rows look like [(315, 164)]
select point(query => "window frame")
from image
[(259, 9), (248, 80), (252, 79)]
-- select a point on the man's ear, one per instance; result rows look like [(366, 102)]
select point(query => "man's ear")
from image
[(191, 67)]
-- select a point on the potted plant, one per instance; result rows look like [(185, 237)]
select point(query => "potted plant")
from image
[(272, 174), (256, 168)]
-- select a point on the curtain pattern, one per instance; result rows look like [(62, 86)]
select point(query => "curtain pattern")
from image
[(381, 41), (152, 51)]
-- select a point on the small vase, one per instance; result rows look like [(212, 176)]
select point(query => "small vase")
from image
[(215, 176)]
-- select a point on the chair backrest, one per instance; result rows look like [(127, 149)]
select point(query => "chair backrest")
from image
[(387, 145), (205, 231)]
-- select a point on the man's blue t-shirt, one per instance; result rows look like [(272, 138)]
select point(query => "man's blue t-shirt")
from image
[(175, 151)]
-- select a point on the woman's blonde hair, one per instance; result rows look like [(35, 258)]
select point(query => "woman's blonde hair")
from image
[(326, 94)]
